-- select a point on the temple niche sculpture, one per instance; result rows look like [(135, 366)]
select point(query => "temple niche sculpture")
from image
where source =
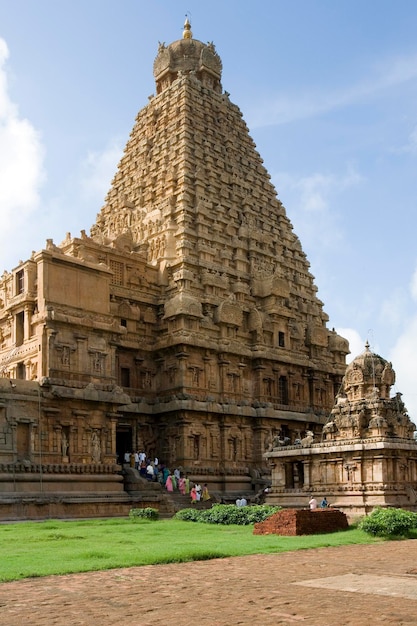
[(366, 455), (187, 323)]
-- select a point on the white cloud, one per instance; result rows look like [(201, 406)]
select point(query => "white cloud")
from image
[(21, 164), (81, 195), (283, 109), (356, 343), (310, 201), (97, 170), (404, 361), (393, 309), (404, 356)]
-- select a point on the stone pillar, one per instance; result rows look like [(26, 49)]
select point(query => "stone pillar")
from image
[(223, 460), (182, 357), (27, 322), (307, 476)]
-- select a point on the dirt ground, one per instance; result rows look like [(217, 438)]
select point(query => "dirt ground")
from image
[(346, 586)]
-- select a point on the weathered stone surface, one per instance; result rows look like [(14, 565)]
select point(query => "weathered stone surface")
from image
[(366, 455), (191, 288)]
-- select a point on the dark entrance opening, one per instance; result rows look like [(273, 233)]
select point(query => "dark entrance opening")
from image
[(294, 475), (299, 474), (124, 441)]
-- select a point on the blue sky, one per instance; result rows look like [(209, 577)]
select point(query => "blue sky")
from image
[(328, 89)]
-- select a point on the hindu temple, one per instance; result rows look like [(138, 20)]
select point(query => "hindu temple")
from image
[(186, 323), (366, 454)]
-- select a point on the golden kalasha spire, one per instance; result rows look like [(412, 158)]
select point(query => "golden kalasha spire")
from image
[(187, 34)]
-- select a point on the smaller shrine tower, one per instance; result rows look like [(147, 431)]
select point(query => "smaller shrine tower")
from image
[(367, 455)]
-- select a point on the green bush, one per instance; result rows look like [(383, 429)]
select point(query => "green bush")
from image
[(147, 513), (389, 522), (224, 514), (228, 514), (188, 515)]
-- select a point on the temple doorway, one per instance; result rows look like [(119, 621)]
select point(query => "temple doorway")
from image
[(124, 441)]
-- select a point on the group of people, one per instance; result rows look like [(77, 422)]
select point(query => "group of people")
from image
[(151, 469), (241, 501), (147, 467), (313, 504), (177, 482), (197, 493)]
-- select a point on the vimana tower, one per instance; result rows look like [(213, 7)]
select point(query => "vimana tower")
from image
[(187, 323)]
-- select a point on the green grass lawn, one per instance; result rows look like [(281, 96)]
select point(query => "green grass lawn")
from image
[(31, 549)]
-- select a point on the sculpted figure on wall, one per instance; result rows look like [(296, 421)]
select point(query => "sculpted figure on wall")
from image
[(64, 444), (95, 448)]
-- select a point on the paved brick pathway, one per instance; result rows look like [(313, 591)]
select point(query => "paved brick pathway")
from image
[(347, 586)]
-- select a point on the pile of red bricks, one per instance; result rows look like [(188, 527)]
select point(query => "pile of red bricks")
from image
[(302, 522)]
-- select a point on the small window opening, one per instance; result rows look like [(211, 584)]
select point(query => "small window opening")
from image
[(125, 376)]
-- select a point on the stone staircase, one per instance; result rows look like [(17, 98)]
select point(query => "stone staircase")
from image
[(175, 501)]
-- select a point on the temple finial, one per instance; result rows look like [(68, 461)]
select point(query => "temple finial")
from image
[(187, 34)]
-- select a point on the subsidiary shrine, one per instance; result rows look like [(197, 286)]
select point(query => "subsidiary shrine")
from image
[(366, 455), (185, 324)]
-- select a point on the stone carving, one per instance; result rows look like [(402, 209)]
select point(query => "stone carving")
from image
[(191, 223), (308, 439), (354, 464), (95, 448), (229, 312), (183, 304), (64, 444)]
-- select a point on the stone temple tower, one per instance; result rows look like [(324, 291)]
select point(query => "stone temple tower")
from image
[(238, 343), (192, 296), (366, 455)]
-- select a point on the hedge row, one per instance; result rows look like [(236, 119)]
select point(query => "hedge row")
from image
[(228, 514)]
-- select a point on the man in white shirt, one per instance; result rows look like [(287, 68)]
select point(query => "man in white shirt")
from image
[(149, 472), (198, 492)]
